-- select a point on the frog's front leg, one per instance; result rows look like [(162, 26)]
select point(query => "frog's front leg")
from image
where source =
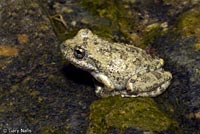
[(103, 86), (101, 91), (149, 84)]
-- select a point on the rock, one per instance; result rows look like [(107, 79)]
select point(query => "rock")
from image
[(36, 90), (180, 49), (128, 114)]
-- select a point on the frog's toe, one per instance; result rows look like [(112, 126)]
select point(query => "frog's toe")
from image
[(101, 92), (98, 90)]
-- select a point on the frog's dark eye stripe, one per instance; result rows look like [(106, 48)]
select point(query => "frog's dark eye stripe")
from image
[(79, 52)]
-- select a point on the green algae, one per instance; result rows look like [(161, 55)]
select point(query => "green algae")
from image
[(123, 113), (189, 23), (116, 13), (109, 9), (124, 20), (154, 31)]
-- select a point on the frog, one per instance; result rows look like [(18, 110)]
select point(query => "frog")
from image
[(117, 68)]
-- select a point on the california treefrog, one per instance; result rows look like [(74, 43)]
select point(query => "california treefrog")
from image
[(118, 69)]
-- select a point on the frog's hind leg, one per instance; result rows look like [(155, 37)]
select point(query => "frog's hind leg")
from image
[(150, 84)]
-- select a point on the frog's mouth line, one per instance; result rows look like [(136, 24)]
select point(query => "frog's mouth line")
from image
[(83, 65)]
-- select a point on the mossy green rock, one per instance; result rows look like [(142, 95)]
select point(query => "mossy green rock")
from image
[(189, 23), (123, 113)]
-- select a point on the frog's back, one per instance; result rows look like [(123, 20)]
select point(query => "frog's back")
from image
[(119, 57), (120, 61)]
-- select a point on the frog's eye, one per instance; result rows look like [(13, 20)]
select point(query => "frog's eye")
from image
[(79, 52)]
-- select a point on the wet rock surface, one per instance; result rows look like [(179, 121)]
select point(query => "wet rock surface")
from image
[(36, 95)]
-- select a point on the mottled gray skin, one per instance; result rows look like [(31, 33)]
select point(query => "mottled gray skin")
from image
[(118, 69)]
